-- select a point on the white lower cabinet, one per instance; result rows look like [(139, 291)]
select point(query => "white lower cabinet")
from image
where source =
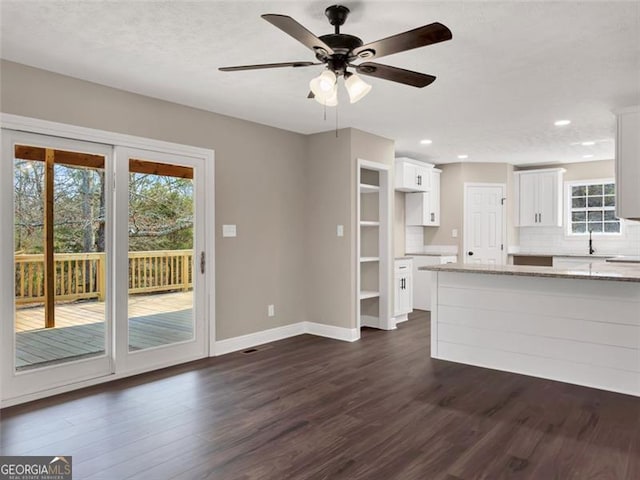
[(422, 279), (403, 289)]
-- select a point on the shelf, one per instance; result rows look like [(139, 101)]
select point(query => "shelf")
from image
[(364, 188), (368, 294), (369, 224), (369, 259)]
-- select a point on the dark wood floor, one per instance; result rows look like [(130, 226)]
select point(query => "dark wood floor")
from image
[(313, 408)]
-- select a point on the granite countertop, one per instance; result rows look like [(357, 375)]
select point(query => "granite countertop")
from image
[(602, 271), (547, 254), (625, 259)]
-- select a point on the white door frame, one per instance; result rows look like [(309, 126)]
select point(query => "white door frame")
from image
[(109, 139), (465, 219)]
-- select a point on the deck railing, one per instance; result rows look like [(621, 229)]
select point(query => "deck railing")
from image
[(83, 275)]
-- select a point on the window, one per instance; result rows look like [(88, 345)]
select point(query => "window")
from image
[(591, 208)]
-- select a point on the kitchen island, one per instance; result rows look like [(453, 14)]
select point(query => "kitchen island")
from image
[(578, 325)]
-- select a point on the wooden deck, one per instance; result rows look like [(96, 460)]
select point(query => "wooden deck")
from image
[(153, 320)]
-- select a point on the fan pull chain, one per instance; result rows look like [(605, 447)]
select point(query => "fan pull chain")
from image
[(336, 121)]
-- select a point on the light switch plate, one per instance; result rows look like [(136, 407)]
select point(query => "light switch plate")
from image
[(454, 233), (229, 231), (340, 231)]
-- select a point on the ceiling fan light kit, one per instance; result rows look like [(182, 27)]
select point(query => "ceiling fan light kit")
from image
[(356, 87), (338, 51)]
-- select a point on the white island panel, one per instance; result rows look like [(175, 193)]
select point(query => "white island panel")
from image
[(574, 330)]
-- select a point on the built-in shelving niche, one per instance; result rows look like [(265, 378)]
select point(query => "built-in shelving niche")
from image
[(373, 245)]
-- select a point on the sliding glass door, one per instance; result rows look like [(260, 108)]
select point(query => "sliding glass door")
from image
[(56, 324), (160, 223), (103, 272)]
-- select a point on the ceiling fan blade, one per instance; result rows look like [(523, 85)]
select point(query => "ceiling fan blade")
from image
[(289, 26), (395, 74), (418, 37), (267, 65)]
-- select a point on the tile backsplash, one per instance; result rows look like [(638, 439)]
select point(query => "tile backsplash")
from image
[(554, 240)]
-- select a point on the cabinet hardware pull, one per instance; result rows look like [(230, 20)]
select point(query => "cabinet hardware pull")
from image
[(433, 217)]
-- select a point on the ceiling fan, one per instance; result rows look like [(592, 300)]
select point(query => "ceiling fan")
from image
[(338, 51)]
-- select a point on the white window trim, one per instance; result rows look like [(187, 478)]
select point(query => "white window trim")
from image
[(567, 208)]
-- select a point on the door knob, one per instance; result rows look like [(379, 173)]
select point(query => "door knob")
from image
[(470, 254)]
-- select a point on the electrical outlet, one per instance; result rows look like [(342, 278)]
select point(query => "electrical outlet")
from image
[(340, 231), (271, 310), (454, 233)]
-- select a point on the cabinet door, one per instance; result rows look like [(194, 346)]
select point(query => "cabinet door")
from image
[(417, 209), (528, 199), (406, 177), (435, 200), (423, 178), (407, 304), (547, 199), (628, 165), (403, 294)]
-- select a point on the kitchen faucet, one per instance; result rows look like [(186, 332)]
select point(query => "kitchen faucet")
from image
[(591, 250)]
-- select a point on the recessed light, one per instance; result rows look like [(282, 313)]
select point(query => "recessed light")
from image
[(426, 141), (587, 144), (587, 156), (561, 123), (462, 157)]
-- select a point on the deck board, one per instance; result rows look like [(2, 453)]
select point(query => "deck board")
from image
[(154, 320)]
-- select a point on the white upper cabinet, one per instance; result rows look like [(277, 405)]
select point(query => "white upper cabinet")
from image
[(423, 209), (539, 197), (628, 164), (412, 176)]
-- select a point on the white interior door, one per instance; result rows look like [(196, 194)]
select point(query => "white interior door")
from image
[(55, 296), (160, 259), (484, 224)]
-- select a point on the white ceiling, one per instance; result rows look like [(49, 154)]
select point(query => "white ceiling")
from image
[(511, 70)]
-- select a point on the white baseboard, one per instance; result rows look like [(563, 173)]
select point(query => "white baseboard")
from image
[(280, 333), (330, 331), (258, 338)]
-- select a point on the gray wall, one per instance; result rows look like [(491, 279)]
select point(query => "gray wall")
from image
[(331, 196), (260, 185), (286, 193)]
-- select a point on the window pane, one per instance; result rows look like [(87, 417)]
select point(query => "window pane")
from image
[(612, 227), (595, 227), (579, 191), (578, 227), (70, 325), (595, 202), (595, 216), (610, 215), (578, 216), (161, 242), (595, 189), (578, 202), (610, 189), (610, 201)]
